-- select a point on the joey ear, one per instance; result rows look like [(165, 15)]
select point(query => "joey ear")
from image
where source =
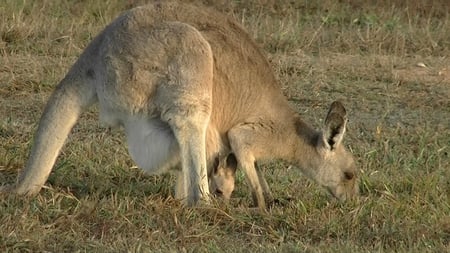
[(216, 164), (225, 164), (335, 124), (232, 162)]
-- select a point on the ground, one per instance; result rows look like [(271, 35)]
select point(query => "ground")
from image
[(388, 61)]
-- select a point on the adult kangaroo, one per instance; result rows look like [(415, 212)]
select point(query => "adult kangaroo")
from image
[(188, 84)]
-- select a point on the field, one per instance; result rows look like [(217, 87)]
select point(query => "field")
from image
[(388, 61)]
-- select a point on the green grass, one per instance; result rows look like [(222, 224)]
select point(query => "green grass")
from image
[(365, 54)]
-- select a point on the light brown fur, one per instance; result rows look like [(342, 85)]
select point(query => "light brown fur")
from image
[(187, 84), (222, 176)]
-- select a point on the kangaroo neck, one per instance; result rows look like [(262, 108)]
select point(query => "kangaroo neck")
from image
[(304, 140)]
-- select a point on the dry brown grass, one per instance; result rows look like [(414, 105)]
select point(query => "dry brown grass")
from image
[(368, 53)]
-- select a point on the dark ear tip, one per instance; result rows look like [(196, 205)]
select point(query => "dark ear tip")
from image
[(337, 106), (337, 103)]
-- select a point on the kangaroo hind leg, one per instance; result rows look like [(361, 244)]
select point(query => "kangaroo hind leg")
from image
[(185, 102)]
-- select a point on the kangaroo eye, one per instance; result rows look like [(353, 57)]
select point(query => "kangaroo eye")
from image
[(349, 175)]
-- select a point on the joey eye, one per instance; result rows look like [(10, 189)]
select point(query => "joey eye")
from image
[(349, 175)]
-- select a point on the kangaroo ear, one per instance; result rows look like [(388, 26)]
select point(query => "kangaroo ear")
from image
[(335, 124), (232, 163), (216, 165), (225, 164)]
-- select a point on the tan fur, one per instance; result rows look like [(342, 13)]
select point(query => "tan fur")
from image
[(222, 176), (187, 84)]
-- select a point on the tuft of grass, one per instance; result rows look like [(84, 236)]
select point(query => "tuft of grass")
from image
[(387, 60)]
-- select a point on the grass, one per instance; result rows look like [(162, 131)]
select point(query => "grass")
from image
[(367, 54)]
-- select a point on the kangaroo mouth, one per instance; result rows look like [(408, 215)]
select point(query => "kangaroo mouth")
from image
[(343, 195), (333, 193)]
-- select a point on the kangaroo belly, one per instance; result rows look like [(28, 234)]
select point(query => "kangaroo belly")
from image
[(151, 144)]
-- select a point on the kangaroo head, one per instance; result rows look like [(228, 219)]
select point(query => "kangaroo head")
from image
[(223, 176), (336, 169)]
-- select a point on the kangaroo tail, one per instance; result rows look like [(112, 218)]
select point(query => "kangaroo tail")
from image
[(61, 113)]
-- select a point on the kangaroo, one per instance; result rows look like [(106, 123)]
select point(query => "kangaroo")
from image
[(188, 84), (222, 176)]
